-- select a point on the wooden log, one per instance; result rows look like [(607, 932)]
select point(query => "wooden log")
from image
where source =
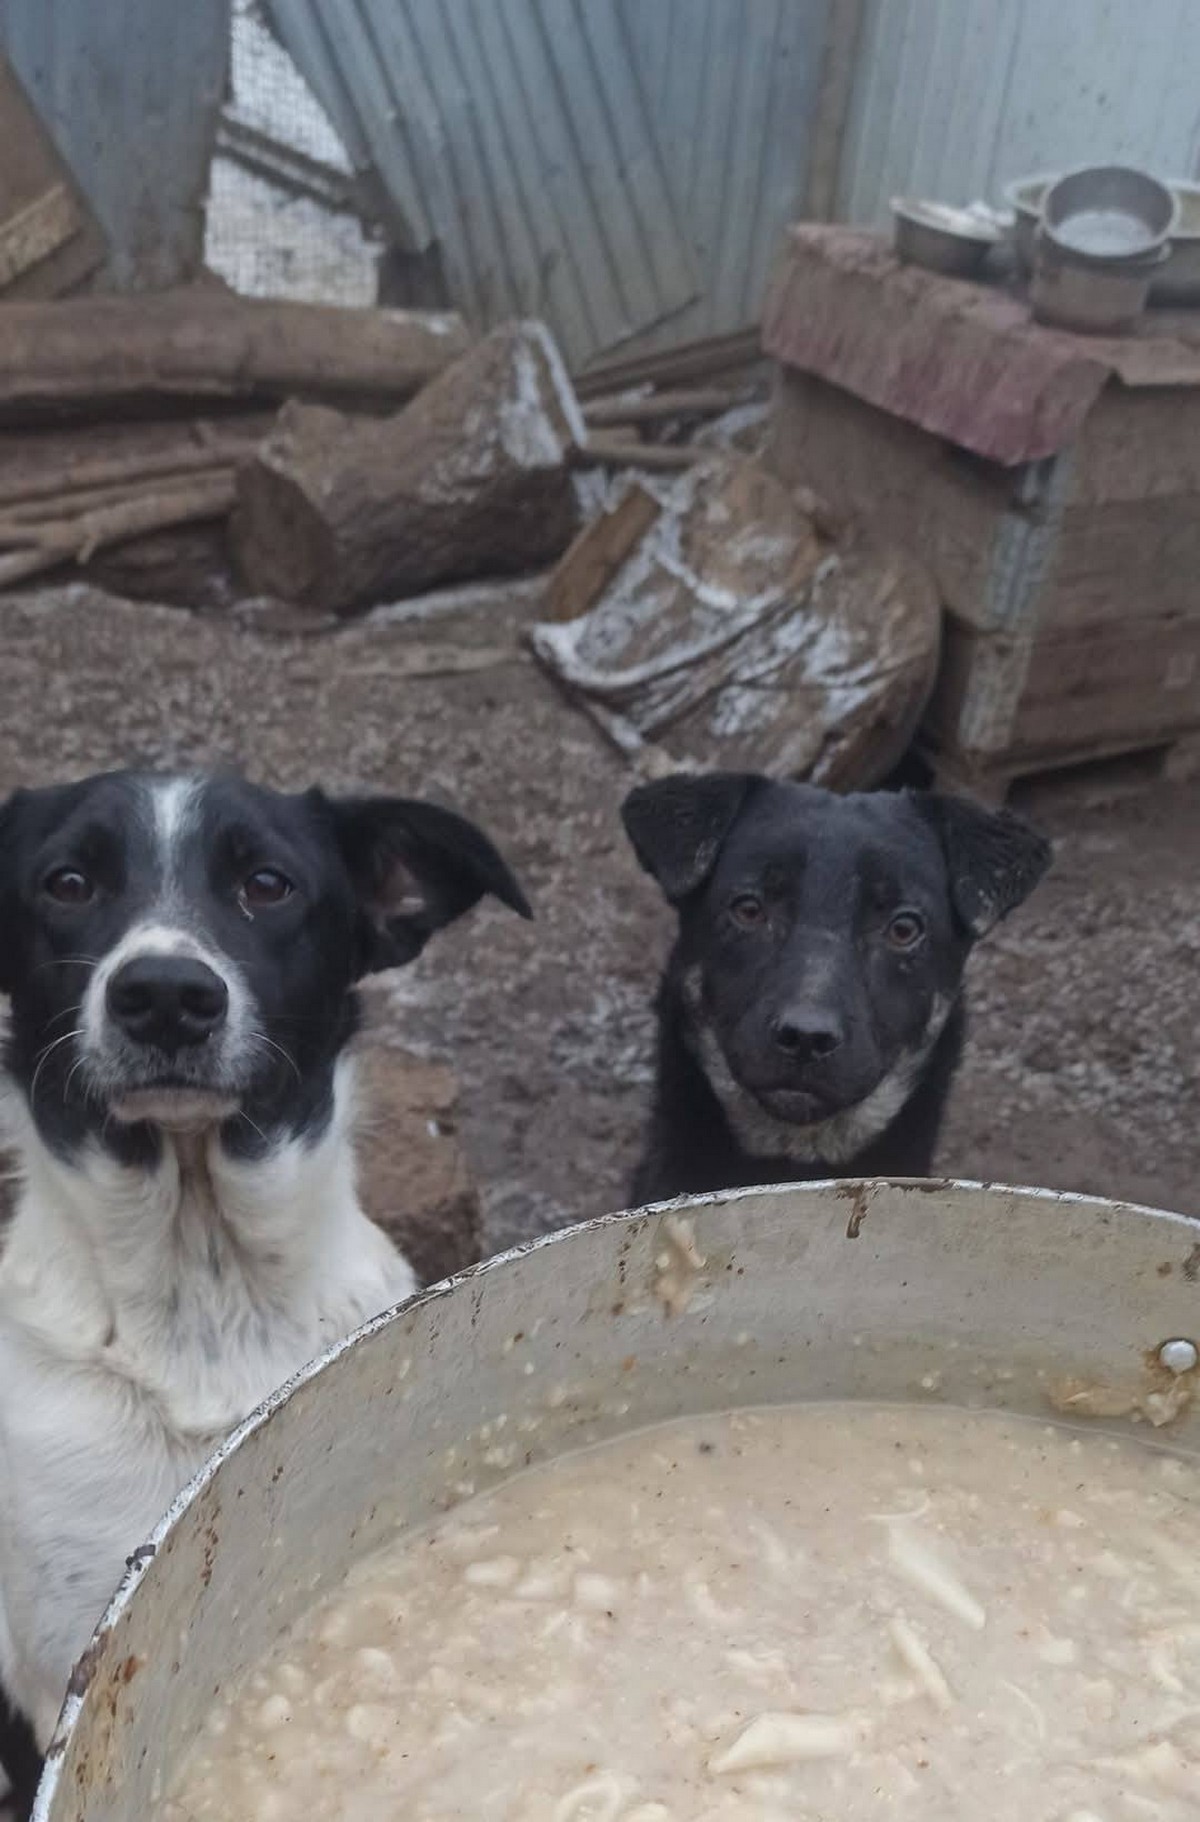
[(626, 452), (85, 355), (662, 407), (20, 520), (78, 538), (48, 462), (472, 479), (715, 357), (115, 474)]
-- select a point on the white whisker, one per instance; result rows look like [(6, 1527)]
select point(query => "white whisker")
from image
[(46, 1054), (259, 1037)]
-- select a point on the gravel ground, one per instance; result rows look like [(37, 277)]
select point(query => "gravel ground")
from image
[(1082, 1067)]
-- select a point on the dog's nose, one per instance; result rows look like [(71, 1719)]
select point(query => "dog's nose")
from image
[(169, 1001), (808, 1033)]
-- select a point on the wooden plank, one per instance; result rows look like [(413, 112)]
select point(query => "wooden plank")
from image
[(49, 238), (611, 451), (1175, 762), (662, 407), (979, 685), (1001, 701), (1139, 679), (1138, 445), (694, 363), (839, 64), (1124, 561), (593, 558)]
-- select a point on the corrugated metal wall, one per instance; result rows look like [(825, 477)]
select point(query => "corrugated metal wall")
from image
[(622, 167), (130, 91), (732, 87), (512, 134), (953, 98)]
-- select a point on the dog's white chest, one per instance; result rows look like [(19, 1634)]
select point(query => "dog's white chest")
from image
[(136, 1331)]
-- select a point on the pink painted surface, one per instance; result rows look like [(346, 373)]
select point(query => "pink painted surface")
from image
[(963, 360)]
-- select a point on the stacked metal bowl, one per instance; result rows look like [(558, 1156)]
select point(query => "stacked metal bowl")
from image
[(1103, 234)]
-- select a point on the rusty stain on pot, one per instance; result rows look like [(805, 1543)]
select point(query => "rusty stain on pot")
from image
[(858, 1213)]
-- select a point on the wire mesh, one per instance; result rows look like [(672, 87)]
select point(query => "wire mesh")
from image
[(265, 235)]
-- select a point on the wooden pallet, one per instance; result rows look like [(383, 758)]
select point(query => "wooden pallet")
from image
[(1176, 762)]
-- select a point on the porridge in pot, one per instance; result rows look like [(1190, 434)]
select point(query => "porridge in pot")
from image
[(816, 1613)]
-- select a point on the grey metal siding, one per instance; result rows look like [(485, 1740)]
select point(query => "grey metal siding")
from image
[(622, 167), (732, 87), (129, 89), (953, 98), (513, 134)]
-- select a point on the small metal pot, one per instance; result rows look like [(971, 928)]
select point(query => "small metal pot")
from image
[(1109, 212), (932, 1292), (1179, 280), (941, 238), (1090, 296)]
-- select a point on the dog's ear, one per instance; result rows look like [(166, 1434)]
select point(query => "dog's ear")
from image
[(677, 825), (415, 868), (993, 858)]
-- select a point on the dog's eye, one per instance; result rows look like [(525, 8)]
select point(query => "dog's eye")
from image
[(747, 910), (68, 886), (905, 930), (265, 886)]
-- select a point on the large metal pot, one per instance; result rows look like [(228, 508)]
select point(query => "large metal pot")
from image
[(960, 1292)]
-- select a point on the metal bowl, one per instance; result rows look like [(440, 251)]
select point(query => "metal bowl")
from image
[(1179, 280), (942, 238), (1109, 212), (1091, 296), (954, 1292), (1024, 198)]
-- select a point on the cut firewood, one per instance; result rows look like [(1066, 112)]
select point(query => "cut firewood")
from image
[(86, 354), (48, 462), (76, 539), (20, 519), (472, 479), (585, 571), (661, 407), (714, 359), (117, 474), (627, 452)]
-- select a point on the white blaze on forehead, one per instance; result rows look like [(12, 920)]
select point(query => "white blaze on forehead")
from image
[(175, 804)]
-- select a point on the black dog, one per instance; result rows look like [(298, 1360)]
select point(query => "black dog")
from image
[(810, 1017)]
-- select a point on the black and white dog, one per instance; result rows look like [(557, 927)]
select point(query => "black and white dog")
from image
[(810, 1018), (181, 957)]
